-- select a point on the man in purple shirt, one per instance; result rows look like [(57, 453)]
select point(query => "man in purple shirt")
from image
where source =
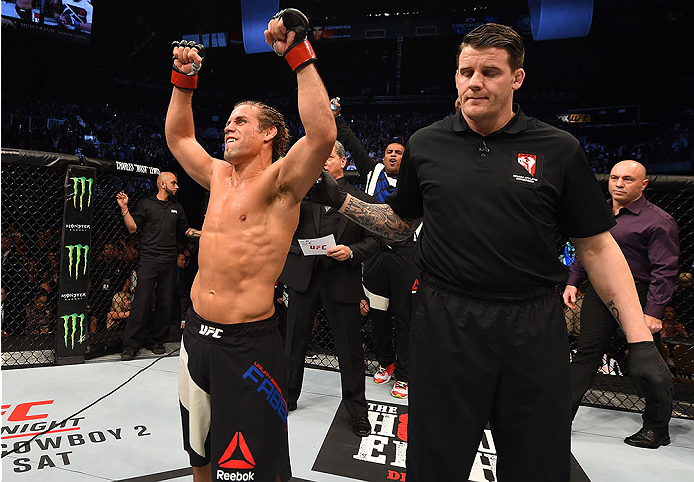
[(648, 238)]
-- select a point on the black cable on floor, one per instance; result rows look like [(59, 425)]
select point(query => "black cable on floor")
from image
[(90, 405)]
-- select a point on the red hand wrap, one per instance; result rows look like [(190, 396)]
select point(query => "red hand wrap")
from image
[(184, 81), (300, 54)]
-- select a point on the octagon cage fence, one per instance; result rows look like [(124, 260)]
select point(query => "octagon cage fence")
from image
[(32, 221)]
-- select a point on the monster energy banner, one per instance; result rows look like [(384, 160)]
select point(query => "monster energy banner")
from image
[(71, 323)]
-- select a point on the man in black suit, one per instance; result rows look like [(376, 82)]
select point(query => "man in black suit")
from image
[(335, 280)]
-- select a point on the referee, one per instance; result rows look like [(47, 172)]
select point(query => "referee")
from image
[(492, 185)]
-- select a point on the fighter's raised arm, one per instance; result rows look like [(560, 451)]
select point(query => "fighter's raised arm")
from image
[(180, 129), (286, 34)]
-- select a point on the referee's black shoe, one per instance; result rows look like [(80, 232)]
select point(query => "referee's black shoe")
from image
[(361, 426), (648, 439)]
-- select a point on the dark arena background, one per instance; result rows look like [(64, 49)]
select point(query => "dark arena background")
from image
[(83, 109)]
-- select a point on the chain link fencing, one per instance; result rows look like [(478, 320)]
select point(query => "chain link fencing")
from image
[(32, 217), (32, 214)]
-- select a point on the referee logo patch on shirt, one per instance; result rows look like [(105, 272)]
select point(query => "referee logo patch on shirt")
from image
[(526, 168), (174, 211), (528, 161)]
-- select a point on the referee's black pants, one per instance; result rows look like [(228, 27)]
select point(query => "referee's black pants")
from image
[(502, 358), (138, 332), (598, 326), (345, 323)]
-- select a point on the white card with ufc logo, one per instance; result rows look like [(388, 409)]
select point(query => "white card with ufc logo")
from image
[(314, 246)]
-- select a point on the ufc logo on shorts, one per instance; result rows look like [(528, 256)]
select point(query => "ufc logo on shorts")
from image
[(208, 330)]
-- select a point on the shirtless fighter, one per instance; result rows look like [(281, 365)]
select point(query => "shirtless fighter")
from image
[(232, 369)]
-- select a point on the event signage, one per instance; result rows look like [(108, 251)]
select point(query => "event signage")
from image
[(381, 456), (35, 440), (71, 323)]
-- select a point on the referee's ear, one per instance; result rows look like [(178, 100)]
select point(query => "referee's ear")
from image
[(518, 78)]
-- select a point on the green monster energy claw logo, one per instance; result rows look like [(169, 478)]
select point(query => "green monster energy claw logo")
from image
[(81, 184), (72, 320), (77, 253)]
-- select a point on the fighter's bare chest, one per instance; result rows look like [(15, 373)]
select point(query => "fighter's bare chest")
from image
[(233, 206)]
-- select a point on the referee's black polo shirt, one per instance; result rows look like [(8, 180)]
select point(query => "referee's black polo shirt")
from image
[(159, 222), (491, 204)]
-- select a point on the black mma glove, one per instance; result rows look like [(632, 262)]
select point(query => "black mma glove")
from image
[(178, 77), (649, 375), (326, 191), (300, 53)]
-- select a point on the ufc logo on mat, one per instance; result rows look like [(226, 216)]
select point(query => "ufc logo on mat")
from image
[(208, 330)]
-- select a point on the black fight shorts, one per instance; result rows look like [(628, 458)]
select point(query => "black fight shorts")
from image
[(230, 386)]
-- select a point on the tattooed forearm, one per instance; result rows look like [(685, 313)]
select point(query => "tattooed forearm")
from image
[(613, 309), (379, 219)]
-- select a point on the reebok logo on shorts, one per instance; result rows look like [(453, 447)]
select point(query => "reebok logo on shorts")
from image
[(415, 286), (242, 461), (208, 330)]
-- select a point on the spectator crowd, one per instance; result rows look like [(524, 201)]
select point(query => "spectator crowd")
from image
[(136, 134)]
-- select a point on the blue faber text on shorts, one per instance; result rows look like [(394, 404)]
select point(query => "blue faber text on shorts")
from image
[(267, 384)]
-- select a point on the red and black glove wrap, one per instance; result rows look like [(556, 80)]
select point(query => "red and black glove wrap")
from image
[(300, 53), (179, 78)]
